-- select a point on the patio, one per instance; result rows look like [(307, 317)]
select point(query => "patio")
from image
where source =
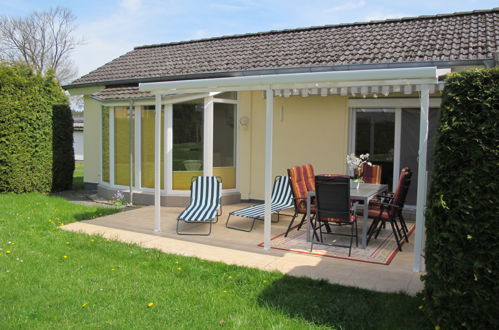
[(241, 248)]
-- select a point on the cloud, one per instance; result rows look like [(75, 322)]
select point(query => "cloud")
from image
[(347, 6), (379, 15), (199, 34), (130, 4)]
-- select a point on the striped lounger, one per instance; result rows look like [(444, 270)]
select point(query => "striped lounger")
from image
[(205, 202), (282, 199)]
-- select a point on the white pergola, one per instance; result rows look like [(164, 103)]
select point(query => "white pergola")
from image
[(382, 81)]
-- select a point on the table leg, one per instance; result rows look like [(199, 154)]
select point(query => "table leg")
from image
[(364, 224)]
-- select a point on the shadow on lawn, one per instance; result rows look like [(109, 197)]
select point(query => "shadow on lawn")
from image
[(336, 306), (95, 214)]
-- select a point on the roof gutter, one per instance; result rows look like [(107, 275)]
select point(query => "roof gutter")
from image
[(489, 62)]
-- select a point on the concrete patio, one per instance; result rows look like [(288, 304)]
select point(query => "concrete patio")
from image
[(241, 248)]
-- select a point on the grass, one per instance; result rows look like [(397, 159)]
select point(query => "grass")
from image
[(52, 278), (78, 176)]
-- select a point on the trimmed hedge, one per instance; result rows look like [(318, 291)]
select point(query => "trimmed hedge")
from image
[(462, 245), (31, 156)]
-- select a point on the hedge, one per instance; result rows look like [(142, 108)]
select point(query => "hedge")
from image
[(34, 143), (462, 244)]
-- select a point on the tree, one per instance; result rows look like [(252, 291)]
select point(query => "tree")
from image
[(43, 40)]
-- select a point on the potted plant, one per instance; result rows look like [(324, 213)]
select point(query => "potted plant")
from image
[(355, 168)]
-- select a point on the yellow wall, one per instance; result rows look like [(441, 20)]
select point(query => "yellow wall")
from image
[(312, 130), (91, 142)]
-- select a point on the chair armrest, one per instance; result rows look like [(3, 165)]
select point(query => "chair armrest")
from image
[(386, 204)]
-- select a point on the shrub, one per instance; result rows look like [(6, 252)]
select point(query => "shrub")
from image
[(462, 246), (27, 149)]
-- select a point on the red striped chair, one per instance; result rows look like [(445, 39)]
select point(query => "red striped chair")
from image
[(371, 173), (389, 208), (302, 180)]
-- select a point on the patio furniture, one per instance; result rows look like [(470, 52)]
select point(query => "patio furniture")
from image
[(364, 194), (333, 207), (205, 203), (371, 173), (282, 199), (302, 180), (389, 208)]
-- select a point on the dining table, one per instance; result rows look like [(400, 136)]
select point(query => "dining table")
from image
[(364, 193)]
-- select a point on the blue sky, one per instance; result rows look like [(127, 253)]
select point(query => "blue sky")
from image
[(111, 28)]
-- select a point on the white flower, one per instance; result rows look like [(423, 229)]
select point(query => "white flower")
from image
[(355, 163)]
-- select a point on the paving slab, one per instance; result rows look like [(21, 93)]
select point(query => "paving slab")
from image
[(241, 248)]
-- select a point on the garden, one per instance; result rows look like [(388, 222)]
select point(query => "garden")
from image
[(53, 278)]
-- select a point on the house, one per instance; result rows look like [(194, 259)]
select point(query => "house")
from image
[(247, 107)]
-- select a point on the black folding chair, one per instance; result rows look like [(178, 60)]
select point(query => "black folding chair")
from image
[(333, 207)]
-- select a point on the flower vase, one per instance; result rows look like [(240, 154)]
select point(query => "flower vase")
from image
[(354, 184)]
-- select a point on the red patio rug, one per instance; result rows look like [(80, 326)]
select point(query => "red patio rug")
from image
[(379, 251)]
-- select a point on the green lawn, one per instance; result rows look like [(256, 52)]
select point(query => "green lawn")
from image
[(50, 278), (78, 176)]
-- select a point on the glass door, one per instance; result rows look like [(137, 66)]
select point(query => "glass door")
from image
[(187, 143), (224, 143), (375, 134)]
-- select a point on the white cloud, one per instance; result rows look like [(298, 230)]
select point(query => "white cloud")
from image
[(347, 6), (199, 34), (379, 15), (130, 4)]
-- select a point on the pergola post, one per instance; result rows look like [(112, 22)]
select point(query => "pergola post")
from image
[(208, 136), (157, 164), (268, 167), (422, 178)]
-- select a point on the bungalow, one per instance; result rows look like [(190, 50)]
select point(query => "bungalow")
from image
[(247, 107)]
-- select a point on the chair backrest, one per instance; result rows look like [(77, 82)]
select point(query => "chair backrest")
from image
[(281, 192), (332, 195), (371, 173), (401, 192), (206, 190), (302, 179)]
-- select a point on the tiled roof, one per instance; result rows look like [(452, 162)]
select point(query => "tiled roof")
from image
[(450, 37), (121, 93)]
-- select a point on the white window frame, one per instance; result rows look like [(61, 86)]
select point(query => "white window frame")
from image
[(167, 107), (386, 103)]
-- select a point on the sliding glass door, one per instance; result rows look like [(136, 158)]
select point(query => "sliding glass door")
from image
[(375, 134)]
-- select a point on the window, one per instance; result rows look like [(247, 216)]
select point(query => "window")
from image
[(224, 143), (147, 132), (122, 131), (375, 134), (187, 142), (105, 144)]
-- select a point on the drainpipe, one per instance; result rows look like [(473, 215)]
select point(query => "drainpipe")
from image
[(130, 147)]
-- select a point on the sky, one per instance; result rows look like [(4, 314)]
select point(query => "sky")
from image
[(110, 28)]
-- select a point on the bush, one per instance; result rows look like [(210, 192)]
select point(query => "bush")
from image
[(462, 245), (30, 160)]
